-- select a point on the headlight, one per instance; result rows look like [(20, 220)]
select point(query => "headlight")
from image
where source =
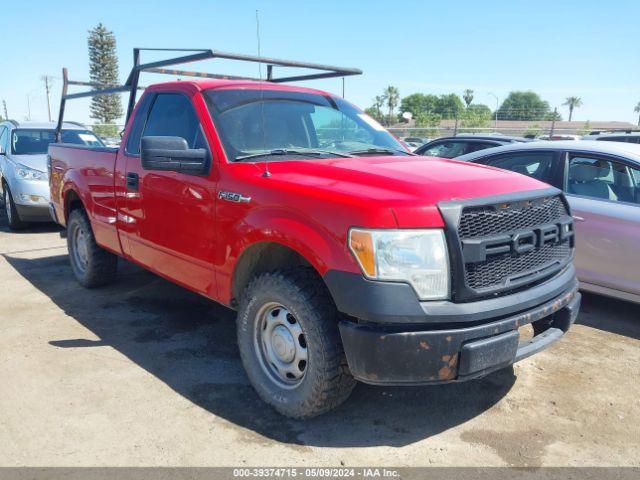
[(416, 257), (27, 173)]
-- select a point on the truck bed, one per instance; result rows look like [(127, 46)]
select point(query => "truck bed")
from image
[(92, 170)]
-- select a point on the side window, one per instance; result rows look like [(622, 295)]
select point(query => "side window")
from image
[(601, 178), (538, 165), (475, 146), (446, 149), (133, 140), (173, 115)]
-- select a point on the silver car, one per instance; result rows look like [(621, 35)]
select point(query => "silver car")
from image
[(602, 183), (23, 167)]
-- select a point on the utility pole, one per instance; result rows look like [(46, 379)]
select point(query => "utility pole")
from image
[(495, 122), (47, 88), (553, 122), (6, 115), (28, 108)]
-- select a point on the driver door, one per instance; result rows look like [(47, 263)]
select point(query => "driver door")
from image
[(172, 214)]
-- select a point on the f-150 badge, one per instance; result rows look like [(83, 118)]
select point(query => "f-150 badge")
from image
[(233, 197)]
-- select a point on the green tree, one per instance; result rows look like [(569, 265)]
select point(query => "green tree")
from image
[(419, 103), (523, 106), (572, 102), (637, 110), (425, 119), (103, 69), (553, 115), (449, 106), (476, 116), (391, 97), (468, 97), (374, 112)]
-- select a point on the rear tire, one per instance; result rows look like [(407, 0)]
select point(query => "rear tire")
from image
[(15, 223), (290, 345), (93, 266)]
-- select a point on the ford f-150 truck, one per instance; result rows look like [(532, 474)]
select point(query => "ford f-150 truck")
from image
[(346, 257)]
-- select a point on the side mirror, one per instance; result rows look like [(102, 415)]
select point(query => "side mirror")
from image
[(173, 154)]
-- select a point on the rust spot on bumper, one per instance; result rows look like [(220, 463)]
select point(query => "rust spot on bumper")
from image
[(448, 371)]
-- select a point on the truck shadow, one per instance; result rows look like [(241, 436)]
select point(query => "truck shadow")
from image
[(189, 344), (596, 312)]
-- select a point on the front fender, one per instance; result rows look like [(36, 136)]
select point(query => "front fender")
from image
[(317, 244)]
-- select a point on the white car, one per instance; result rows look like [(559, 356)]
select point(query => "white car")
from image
[(23, 166)]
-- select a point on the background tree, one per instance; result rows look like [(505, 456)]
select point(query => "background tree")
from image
[(553, 115), (637, 110), (375, 113), (572, 102), (103, 68), (468, 97), (476, 116), (419, 103), (449, 106), (375, 110), (391, 97), (523, 106)]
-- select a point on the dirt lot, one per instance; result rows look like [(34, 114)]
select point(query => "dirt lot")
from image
[(146, 373)]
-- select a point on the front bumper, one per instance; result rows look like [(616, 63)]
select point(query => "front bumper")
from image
[(481, 338), (31, 199)]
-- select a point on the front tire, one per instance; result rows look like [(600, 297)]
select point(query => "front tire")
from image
[(15, 223), (92, 265), (290, 345)]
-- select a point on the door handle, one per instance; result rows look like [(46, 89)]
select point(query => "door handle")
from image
[(578, 219), (133, 181)]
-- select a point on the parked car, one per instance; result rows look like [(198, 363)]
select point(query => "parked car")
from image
[(629, 136), (23, 167), (414, 142), (602, 183), (559, 136), (345, 257), (451, 147)]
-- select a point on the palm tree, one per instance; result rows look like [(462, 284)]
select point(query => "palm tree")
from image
[(378, 103), (637, 110), (391, 97), (468, 96), (572, 102)]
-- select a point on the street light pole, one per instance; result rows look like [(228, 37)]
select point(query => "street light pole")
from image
[(495, 122)]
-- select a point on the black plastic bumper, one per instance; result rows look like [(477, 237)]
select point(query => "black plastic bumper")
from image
[(410, 353), (33, 213)]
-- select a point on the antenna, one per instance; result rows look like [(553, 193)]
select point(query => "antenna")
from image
[(266, 173)]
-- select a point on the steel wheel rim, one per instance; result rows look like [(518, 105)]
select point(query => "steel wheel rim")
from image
[(280, 345), (79, 249)]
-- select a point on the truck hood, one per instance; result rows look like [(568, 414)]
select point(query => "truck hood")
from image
[(397, 180), (37, 162)]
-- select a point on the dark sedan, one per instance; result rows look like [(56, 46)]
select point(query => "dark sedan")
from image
[(451, 147)]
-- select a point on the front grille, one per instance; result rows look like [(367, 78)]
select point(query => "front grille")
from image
[(495, 270), (505, 218), (500, 270)]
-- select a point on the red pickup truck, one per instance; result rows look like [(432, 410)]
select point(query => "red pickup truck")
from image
[(346, 257)]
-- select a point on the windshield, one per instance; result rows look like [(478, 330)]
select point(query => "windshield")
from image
[(31, 141), (251, 122)]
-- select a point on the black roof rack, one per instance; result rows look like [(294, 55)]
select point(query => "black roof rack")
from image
[(131, 84)]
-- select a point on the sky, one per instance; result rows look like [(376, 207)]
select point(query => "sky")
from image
[(555, 48)]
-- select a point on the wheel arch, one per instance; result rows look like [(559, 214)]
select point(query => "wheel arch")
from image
[(261, 257)]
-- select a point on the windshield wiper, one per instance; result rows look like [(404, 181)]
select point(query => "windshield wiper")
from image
[(380, 150), (286, 151)]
